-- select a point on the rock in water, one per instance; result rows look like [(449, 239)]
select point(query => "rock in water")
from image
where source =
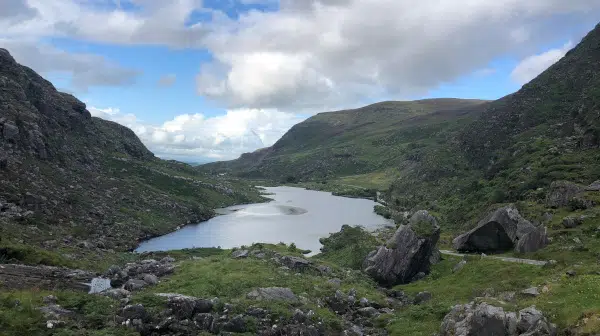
[(483, 320), (500, 231), (407, 253)]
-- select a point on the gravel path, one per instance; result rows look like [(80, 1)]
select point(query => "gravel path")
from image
[(507, 259)]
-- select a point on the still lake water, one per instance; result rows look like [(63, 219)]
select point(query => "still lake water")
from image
[(295, 215)]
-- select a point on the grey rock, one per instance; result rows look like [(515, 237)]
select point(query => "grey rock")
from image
[(204, 321), (299, 316), (407, 253), (10, 132), (562, 192), (422, 297), (533, 292), (459, 266), (238, 254), (532, 322), (594, 186), (324, 269), (335, 282), (116, 293), (150, 279), (571, 273), (237, 324), (167, 260), (364, 302), (436, 257), (572, 222), (502, 230), (55, 312), (272, 294), (50, 299), (185, 307), (295, 263), (368, 312), (134, 284), (136, 311), (256, 312)]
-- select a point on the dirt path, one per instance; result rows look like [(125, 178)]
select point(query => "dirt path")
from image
[(507, 259)]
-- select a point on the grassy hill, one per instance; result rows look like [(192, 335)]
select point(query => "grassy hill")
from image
[(350, 142)]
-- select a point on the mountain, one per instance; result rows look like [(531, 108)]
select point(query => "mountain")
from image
[(70, 182), (351, 142), (453, 156)]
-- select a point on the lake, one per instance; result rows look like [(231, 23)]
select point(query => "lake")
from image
[(294, 215)]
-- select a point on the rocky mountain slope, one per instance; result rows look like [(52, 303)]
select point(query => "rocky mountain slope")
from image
[(75, 184)]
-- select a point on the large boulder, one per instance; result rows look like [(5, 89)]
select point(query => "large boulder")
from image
[(407, 253), (563, 192), (485, 320), (502, 230), (594, 186)]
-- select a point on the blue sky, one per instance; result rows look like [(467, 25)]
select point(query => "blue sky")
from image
[(208, 80)]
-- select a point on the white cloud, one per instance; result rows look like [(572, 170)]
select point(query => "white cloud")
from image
[(85, 69), (532, 66), (316, 54), (195, 136)]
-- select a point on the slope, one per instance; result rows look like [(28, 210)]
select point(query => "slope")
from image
[(350, 142), (77, 185)]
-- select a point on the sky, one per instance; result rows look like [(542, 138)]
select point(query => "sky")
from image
[(201, 81)]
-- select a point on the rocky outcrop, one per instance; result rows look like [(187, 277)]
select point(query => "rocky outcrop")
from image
[(502, 230), (484, 319), (594, 186), (561, 193), (272, 294), (407, 254)]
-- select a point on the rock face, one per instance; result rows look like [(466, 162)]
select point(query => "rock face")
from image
[(485, 320), (594, 186), (407, 253), (562, 192), (502, 230)]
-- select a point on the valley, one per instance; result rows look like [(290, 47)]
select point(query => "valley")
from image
[(494, 180)]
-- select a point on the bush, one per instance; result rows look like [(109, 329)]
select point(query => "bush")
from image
[(349, 247), (382, 211)]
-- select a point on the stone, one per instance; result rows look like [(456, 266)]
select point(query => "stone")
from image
[(238, 254), (10, 132), (185, 307), (436, 257), (459, 266), (562, 192), (295, 263), (368, 312), (133, 312), (324, 269), (55, 324), (299, 316), (422, 297), (116, 293), (204, 321), (167, 260), (50, 299), (335, 282), (237, 324), (570, 222), (594, 186), (150, 279), (532, 292), (407, 253), (364, 302), (571, 273), (134, 284), (502, 230), (55, 312), (272, 294), (483, 319), (256, 312)]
